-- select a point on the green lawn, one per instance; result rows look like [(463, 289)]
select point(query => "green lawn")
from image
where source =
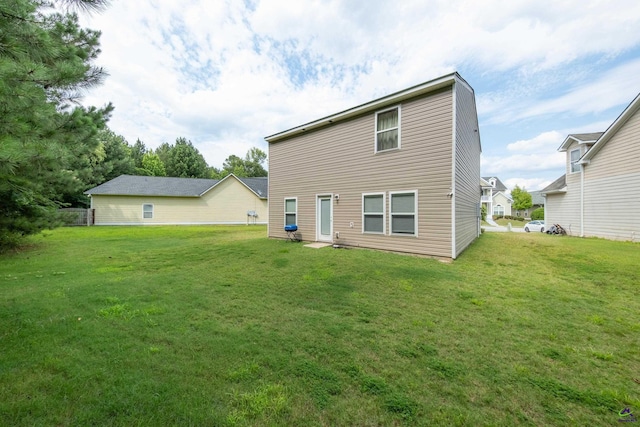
[(216, 326)]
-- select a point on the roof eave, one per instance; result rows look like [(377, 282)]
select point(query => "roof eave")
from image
[(145, 195), (568, 140), (562, 190), (241, 182), (614, 128), (430, 86)]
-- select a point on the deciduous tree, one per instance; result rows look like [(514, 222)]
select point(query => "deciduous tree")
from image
[(521, 199), (152, 165), (250, 166)]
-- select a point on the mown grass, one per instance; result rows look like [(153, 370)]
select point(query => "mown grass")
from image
[(221, 326)]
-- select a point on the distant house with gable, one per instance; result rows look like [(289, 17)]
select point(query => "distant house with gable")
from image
[(597, 196), (154, 200), (495, 196)]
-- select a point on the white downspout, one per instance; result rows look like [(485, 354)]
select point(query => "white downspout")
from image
[(452, 194), (582, 201)]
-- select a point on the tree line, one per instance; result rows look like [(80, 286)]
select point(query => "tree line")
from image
[(52, 148), (114, 156)]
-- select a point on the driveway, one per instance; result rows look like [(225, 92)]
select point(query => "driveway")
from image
[(500, 229)]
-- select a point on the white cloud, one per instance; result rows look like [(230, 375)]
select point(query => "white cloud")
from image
[(495, 165), (541, 143), (529, 184), (226, 74)]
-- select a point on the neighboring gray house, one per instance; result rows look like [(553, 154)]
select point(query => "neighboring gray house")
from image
[(495, 197), (399, 173), (537, 201), (598, 195), (154, 200)]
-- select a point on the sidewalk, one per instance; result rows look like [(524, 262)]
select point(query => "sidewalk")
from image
[(495, 228)]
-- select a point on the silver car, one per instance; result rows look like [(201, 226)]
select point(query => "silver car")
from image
[(536, 225)]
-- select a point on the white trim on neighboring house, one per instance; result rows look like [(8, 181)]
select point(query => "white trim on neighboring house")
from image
[(576, 161), (570, 139), (376, 131), (414, 213), (240, 181), (613, 129), (384, 213), (581, 203)]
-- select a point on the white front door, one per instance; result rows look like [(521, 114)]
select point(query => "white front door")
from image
[(324, 218)]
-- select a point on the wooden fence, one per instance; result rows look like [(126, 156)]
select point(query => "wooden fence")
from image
[(78, 216)]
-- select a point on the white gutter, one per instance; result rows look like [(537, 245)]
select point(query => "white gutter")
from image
[(453, 175), (582, 201), (430, 86)]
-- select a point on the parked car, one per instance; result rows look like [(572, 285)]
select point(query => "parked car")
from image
[(537, 225)]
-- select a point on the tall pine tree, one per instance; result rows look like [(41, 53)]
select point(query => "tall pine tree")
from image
[(45, 65)]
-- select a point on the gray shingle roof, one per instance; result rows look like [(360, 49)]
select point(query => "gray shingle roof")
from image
[(259, 185), (586, 136), (499, 184), (132, 185), (536, 197), (556, 185)]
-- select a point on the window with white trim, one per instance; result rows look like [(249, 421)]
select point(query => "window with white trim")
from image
[(291, 211), (498, 210), (388, 129), (575, 156), (147, 211), (402, 209), (373, 208)]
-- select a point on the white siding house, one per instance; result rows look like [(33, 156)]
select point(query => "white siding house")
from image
[(598, 195)]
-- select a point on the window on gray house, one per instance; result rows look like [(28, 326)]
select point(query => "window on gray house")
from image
[(575, 156)]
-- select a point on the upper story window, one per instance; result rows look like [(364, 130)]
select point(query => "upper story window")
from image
[(290, 211), (575, 156), (388, 129)]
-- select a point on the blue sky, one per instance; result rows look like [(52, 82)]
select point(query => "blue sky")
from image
[(225, 74)]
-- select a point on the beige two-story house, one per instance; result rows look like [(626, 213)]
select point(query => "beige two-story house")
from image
[(598, 195), (400, 173)]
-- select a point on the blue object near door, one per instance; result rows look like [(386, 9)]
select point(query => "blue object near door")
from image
[(291, 232)]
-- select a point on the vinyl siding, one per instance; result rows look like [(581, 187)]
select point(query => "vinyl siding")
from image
[(501, 199), (609, 210), (467, 170), (564, 208), (340, 159), (227, 203), (620, 155), (612, 180)]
